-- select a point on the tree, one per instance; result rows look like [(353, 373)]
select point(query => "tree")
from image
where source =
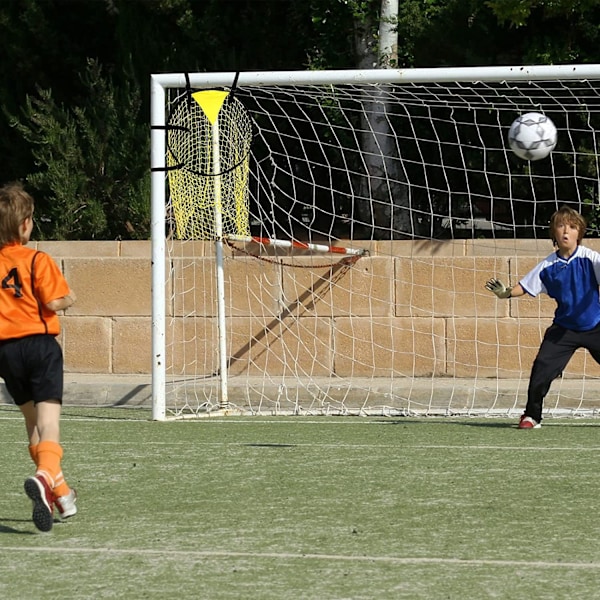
[(77, 115), (551, 31), (382, 192), (57, 113), (87, 185)]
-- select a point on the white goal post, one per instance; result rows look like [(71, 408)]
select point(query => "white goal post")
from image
[(321, 239)]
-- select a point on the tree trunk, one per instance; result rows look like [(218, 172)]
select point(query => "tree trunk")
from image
[(382, 199)]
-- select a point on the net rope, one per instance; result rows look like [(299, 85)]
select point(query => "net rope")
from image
[(193, 176), (420, 176)]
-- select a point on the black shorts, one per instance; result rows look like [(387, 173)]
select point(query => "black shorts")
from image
[(32, 368)]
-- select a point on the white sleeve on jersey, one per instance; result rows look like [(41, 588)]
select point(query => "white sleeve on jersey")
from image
[(532, 283)]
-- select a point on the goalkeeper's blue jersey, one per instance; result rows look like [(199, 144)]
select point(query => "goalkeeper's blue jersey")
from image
[(573, 283)]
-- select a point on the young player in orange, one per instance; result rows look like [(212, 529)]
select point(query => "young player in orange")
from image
[(31, 362)]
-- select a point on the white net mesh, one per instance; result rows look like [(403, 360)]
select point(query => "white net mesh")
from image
[(421, 177)]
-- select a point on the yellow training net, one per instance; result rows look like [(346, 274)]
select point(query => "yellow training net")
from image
[(208, 150)]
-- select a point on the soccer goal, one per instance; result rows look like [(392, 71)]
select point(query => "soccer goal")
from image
[(321, 239)]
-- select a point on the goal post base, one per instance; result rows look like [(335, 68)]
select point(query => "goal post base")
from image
[(400, 397)]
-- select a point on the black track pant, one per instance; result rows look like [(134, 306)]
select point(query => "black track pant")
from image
[(558, 346)]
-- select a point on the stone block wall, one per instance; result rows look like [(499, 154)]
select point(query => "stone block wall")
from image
[(454, 328)]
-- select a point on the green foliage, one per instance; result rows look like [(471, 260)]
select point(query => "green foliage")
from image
[(592, 216), (415, 18), (552, 31), (78, 129), (86, 184), (515, 12), (519, 12)]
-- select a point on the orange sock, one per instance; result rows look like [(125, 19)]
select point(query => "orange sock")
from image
[(49, 455), (60, 486), (33, 448)]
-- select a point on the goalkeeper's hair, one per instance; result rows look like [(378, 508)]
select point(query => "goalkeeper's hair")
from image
[(569, 216), (16, 205)]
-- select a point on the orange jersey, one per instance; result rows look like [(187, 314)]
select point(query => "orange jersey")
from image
[(30, 279)]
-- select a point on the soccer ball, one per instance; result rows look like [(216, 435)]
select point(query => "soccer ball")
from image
[(532, 136)]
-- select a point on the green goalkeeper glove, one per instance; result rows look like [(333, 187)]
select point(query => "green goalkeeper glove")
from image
[(496, 286)]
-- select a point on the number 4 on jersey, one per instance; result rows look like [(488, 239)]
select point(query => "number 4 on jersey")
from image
[(12, 281)]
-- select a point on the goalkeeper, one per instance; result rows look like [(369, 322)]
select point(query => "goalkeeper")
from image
[(571, 276)]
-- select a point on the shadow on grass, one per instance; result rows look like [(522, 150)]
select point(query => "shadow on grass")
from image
[(490, 424), (116, 413), (100, 413), (7, 529)]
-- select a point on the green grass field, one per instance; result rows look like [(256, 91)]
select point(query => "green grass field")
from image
[(308, 508)]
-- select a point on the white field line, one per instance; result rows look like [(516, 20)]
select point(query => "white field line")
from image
[(14, 415), (399, 560), (343, 421), (291, 445)]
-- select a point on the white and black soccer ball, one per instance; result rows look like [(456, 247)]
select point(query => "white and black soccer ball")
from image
[(532, 136)]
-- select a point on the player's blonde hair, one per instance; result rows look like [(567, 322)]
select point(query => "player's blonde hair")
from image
[(16, 205), (569, 216)]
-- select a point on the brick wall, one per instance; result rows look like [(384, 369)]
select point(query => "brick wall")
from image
[(456, 327), (108, 329)]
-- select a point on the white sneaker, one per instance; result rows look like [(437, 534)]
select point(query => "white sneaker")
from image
[(66, 504)]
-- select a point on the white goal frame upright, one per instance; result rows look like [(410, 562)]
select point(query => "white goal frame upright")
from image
[(161, 84)]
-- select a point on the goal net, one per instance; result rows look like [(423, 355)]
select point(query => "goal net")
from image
[(321, 240)]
